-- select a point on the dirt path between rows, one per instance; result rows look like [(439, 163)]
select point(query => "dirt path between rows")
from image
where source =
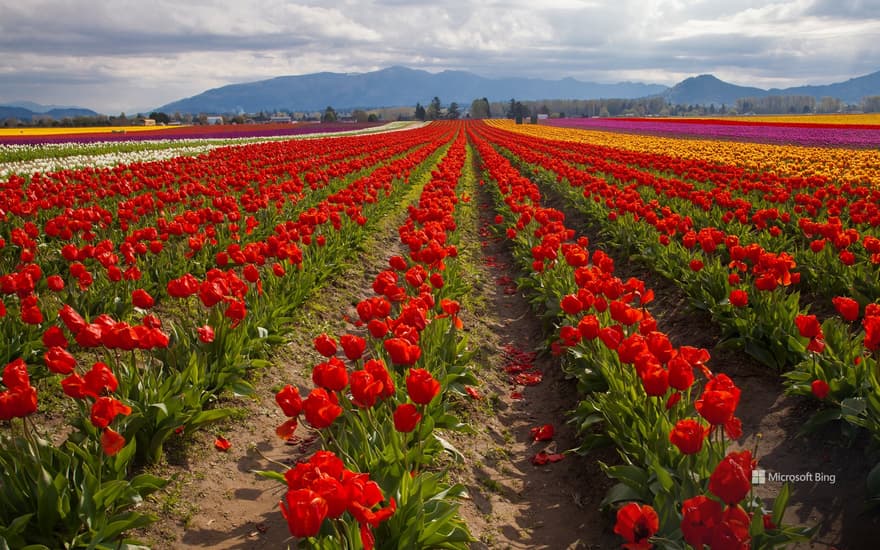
[(514, 502)]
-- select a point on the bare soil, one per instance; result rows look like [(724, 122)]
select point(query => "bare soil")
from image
[(515, 503)]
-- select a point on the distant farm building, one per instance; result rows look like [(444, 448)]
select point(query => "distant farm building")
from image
[(280, 118), (214, 120)]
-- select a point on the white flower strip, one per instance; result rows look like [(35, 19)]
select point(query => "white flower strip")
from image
[(61, 156)]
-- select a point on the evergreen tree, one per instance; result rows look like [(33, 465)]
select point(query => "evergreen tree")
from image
[(420, 112)]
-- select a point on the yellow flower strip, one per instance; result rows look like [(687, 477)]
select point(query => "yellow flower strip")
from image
[(860, 166), (80, 130)]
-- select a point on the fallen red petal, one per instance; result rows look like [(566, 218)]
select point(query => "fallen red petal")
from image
[(222, 444), (529, 378), (543, 433)]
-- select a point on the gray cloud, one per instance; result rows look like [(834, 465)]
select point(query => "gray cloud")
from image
[(112, 55)]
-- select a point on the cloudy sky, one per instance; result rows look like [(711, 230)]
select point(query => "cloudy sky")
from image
[(130, 55)]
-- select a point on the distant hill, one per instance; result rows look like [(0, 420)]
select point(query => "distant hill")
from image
[(15, 112), (26, 110), (389, 87), (706, 89), (851, 91), (37, 107)]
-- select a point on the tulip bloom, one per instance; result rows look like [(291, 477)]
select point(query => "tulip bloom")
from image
[(206, 334), (820, 388), (105, 409), (331, 375), (365, 390), (700, 516), (325, 345), (688, 435), (739, 298), (59, 361), (353, 346), (142, 299), (111, 442), (732, 479), (636, 524), (421, 386), (289, 400), (304, 511), (846, 307), (406, 417), (321, 408), (719, 400)]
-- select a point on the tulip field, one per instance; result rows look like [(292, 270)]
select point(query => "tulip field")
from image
[(144, 298)]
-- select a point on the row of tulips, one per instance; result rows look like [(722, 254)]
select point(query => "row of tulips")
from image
[(156, 369), (781, 214), (383, 393), (671, 418), (212, 131), (708, 264), (843, 166), (834, 363), (825, 135), (145, 224), (838, 369)]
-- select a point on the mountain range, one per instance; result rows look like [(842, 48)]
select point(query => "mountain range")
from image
[(391, 87), (398, 86), (401, 86), (27, 110), (706, 89)]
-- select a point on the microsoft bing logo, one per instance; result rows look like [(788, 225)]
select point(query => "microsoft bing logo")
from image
[(759, 477)]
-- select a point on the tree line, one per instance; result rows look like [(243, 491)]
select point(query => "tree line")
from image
[(513, 109)]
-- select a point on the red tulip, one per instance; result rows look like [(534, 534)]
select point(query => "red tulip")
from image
[(820, 388), (331, 375), (636, 524), (55, 283), (700, 516), (808, 326), (377, 369), (59, 360), (732, 479), (846, 307), (688, 435), (353, 346), (111, 442), (206, 334), (365, 390), (719, 400), (421, 386), (15, 375), (289, 400), (406, 417), (402, 352), (739, 298), (321, 408), (140, 298), (105, 409), (325, 345)]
